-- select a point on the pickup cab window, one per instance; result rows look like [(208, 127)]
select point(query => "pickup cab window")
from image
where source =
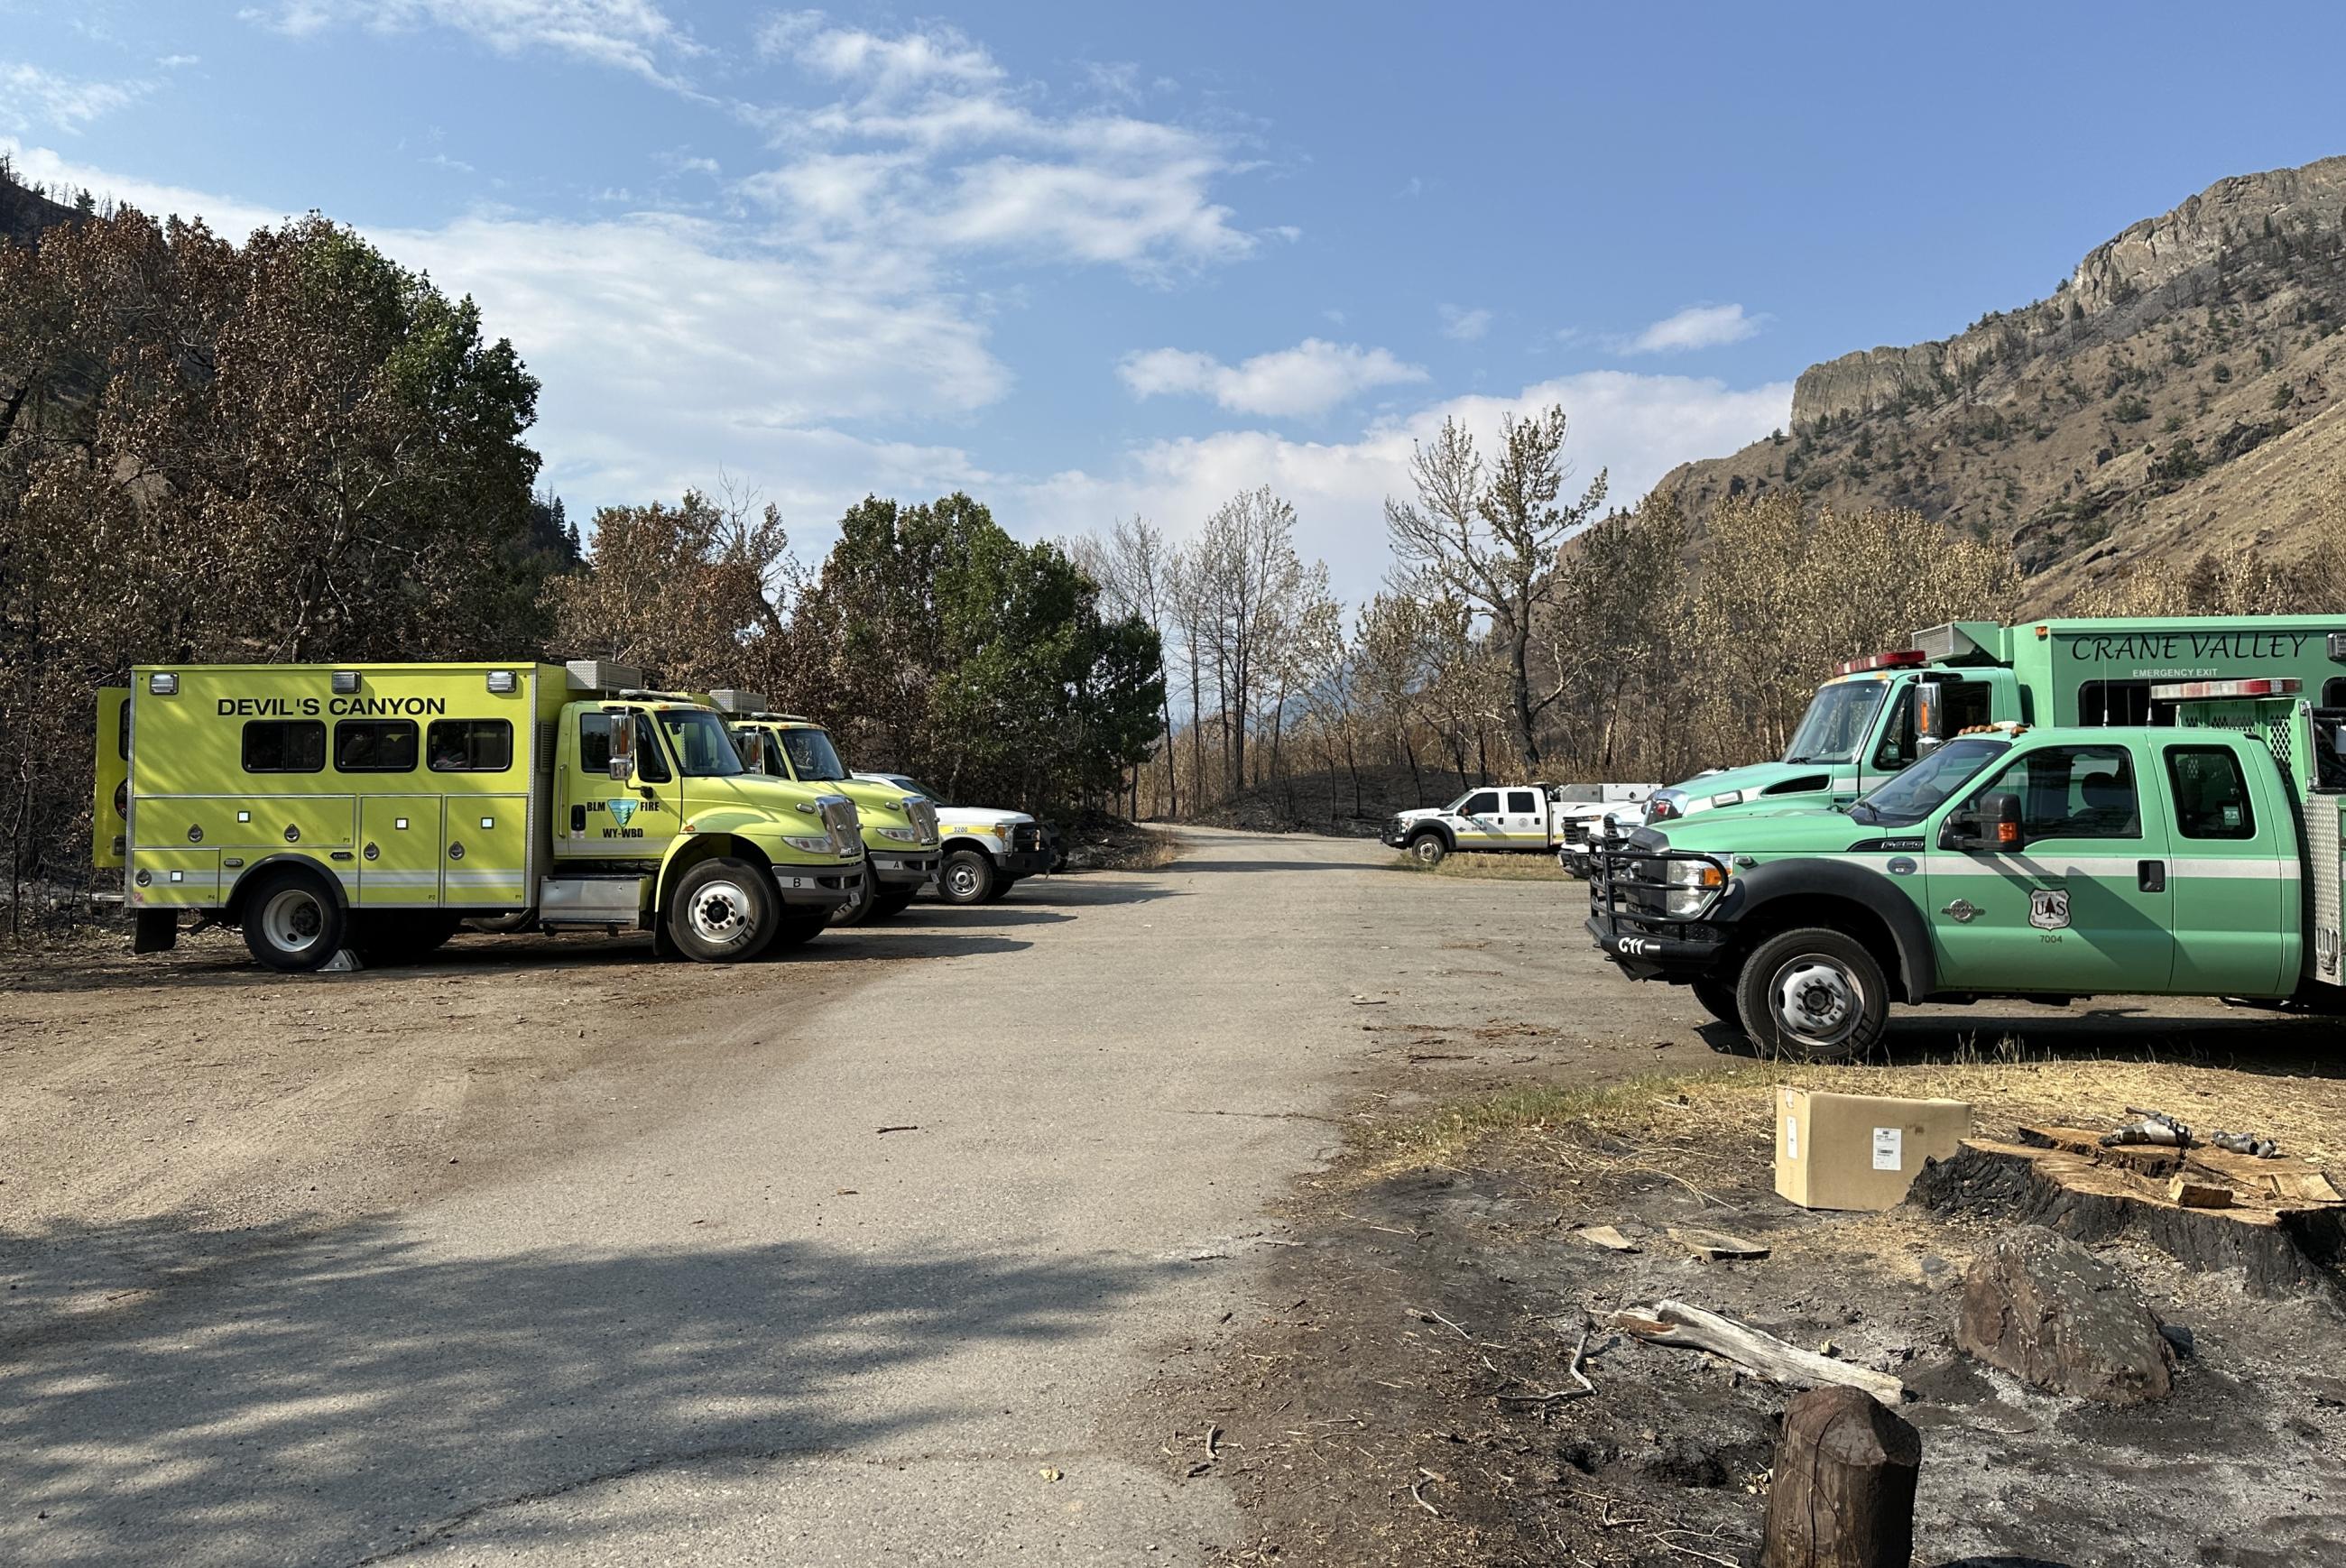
[(1928, 785), (1523, 802), (1482, 803), (2075, 792), (2211, 795)]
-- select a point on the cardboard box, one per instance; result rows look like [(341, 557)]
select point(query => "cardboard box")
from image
[(1858, 1151)]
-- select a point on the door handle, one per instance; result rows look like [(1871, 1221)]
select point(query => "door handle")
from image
[(2150, 876)]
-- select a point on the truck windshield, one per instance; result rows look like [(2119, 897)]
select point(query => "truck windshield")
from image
[(702, 746), (1926, 786), (812, 757), (1839, 719)]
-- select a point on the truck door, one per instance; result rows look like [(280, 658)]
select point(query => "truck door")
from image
[(399, 849), (605, 817), (1482, 824), (1527, 819), (2086, 906), (109, 826), (2235, 895)]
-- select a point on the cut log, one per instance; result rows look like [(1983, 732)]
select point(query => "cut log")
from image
[(2052, 1314), (1843, 1493), (2282, 1246), (1714, 1245), (1764, 1355)]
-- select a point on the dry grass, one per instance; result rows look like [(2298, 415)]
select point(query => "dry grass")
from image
[(1522, 867), (1154, 853), (1709, 1126)]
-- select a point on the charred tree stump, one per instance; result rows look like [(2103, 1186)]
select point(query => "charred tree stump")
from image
[(1843, 1496)]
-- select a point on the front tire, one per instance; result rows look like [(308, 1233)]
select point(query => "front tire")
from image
[(891, 902), (293, 922), (967, 877), (724, 910), (1814, 993), (1428, 849), (864, 906), (799, 927)]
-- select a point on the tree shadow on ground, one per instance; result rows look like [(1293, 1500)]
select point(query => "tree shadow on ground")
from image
[(332, 1397)]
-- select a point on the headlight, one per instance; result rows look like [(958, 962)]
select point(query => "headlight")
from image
[(1004, 826), (1693, 884), (819, 845), (901, 835)]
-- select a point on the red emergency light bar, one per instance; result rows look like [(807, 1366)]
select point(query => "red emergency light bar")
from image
[(2195, 690), (1905, 659)]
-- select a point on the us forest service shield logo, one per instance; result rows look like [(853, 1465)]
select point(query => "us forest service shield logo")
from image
[(2048, 909), (621, 809)]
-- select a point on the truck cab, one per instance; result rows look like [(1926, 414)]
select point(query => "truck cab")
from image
[(372, 808), (901, 838), (2199, 859)]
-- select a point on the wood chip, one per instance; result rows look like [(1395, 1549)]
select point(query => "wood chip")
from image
[(1607, 1237), (2192, 1194), (1714, 1245)]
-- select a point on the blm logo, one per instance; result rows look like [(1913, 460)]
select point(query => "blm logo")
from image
[(2048, 909)]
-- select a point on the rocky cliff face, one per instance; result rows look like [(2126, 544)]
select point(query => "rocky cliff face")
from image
[(2176, 391)]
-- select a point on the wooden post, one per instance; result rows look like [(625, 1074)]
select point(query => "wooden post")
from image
[(1843, 1496)]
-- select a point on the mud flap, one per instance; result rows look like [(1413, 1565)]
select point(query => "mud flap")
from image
[(154, 930)]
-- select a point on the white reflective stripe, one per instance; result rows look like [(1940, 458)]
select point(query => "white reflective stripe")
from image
[(398, 879), (2115, 866), (482, 878)]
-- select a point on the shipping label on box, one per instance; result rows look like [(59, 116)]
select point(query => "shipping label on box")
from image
[(1859, 1151)]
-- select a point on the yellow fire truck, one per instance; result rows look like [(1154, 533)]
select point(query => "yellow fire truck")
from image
[(373, 806)]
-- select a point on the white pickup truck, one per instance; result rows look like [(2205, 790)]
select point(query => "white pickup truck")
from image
[(1525, 818), (986, 851)]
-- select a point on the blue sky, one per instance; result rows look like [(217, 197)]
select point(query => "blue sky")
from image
[(1087, 261)]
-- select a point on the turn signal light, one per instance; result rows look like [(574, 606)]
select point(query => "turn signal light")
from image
[(2007, 833)]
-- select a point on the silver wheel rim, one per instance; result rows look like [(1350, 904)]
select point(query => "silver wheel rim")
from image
[(1429, 850), (961, 879), (1817, 1000), (722, 913), (293, 920)]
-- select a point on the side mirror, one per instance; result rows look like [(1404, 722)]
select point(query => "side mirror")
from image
[(623, 744), (1991, 823), (1932, 719), (746, 747)]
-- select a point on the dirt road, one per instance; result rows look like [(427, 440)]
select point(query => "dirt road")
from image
[(541, 1254)]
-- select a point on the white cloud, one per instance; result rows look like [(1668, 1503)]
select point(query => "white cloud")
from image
[(630, 35), (1465, 325), (30, 95), (1636, 426), (935, 148), (1696, 327), (1311, 378)]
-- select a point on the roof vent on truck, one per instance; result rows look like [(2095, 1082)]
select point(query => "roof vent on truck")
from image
[(596, 675), (737, 703)]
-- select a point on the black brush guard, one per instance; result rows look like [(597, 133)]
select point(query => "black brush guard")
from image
[(1629, 913)]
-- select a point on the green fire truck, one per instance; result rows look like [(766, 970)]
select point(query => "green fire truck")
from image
[(2199, 857), (1880, 713), (372, 808)]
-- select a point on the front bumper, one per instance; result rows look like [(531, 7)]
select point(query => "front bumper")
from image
[(818, 887), (1025, 862), (903, 871), (1397, 833), (1628, 920)]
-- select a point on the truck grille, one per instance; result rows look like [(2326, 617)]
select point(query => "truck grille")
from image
[(1026, 836), (846, 828), (923, 813)]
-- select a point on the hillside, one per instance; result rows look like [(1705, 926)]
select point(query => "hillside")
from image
[(2178, 394), (25, 213)]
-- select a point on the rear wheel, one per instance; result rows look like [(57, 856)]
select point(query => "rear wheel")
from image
[(293, 921), (1717, 999), (967, 877), (1815, 993), (723, 911), (1428, 849)]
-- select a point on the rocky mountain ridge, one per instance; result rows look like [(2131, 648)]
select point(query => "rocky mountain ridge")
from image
[(2175, 393)]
